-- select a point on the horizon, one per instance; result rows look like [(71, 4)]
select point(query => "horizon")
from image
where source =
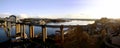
[(20, 17), (93, 9)]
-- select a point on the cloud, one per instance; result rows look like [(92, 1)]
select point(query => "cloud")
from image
[(103, 8), (77, 15), (51, 16), (3, 15), (21, 16)]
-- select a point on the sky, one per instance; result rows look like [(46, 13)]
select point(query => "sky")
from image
[(60, 8)]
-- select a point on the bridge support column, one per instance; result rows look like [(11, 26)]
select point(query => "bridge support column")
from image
[(24, 31), (62, 33), (9, 26), (6, 29), (21, 30), (44, 32), (31, 31), (17, 28), (5, 24)]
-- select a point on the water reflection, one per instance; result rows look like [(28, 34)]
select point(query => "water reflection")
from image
[(73, 23)]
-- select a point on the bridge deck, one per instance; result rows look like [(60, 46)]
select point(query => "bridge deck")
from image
[(52, 26)]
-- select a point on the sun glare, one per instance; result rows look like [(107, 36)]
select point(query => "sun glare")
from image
[(104, 8)]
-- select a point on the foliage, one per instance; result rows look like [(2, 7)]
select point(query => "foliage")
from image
[(79, 38)]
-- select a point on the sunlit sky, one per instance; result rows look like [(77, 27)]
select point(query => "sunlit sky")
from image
[(61, 8)]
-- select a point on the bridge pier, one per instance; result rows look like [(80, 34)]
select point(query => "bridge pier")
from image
[(6, 29), (21, 30), (17, 28), (62, 33), (24, 32), (44, 32), (5, 24), (31, 31), (9, 28)]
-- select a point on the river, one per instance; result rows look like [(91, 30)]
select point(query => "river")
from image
[(38, 30)]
